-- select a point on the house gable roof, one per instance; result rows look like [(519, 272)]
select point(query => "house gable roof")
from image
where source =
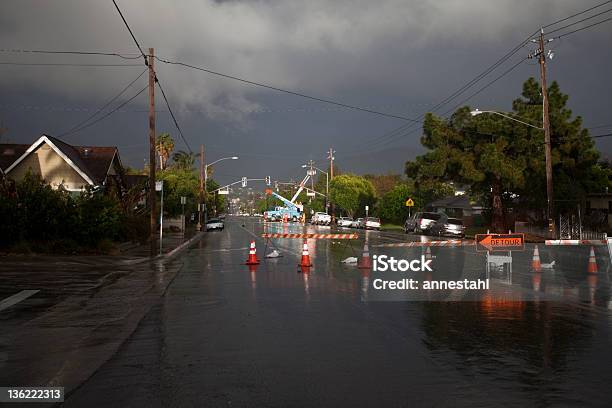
[(91, 162)]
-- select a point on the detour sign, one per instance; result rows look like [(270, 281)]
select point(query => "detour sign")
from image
[(500, 242)]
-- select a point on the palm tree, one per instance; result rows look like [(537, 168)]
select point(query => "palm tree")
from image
[(164, 145), (185, 160)]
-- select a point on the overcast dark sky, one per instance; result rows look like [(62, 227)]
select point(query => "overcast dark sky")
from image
[(396, 56)]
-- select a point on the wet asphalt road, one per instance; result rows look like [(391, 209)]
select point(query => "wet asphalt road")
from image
[(226, 335)]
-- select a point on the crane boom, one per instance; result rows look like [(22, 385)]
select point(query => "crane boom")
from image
[(299, 190)]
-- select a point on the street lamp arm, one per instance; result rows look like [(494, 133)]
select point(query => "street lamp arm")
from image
[(478, 112), (223, 158)]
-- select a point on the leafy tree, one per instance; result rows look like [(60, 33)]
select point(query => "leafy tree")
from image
[(352, 193), (392, 205), (184, 160), (215, 202), (177, 183), (164, 146), (502, 160), (383, 183)]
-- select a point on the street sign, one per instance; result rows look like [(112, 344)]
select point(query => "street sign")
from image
[(223, 192), (500, 242), (409, 203), (183, 200), (367, 207), (244, 182), (159, 185), (311, 172), (310, 194)]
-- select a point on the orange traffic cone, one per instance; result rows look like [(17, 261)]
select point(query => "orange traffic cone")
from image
[(537, 281), (592, 268), (535, 263), (252, 255), (366, 261), (592, 283), (305, 263)]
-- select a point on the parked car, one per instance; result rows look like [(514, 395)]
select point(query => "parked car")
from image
[(446, 226), (371, 223), (358, 223), (214, 224), (344, 221), (421, 222), (321, 218)]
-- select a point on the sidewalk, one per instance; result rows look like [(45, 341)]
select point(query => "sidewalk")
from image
[(171, 241), (84, 308)]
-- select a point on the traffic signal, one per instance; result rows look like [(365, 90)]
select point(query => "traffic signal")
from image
[(268, 181), (244, 182)]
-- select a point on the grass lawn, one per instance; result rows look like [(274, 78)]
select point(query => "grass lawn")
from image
[(392, 227)]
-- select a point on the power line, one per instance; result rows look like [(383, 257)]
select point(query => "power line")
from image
[(107, 114), (113, 99), (107, 54), (582, 28), (131, 33), (400, 131), (579, 21), (274, 88), (577, 14), (172, 115), (50, 64)]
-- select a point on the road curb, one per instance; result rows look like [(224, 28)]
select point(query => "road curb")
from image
[(167, 256)]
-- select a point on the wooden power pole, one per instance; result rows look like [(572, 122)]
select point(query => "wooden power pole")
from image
[(547, 146), (331, 176), (152, 193), (202, 186)]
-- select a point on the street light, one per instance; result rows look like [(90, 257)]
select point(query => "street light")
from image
[(549, 194), (206, 179), (305, 166), (479, 112)]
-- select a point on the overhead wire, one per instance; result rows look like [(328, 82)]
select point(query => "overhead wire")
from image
[(156, 78), (274, 88), (582, 28), (51, 64), (578, 14), (131, 33), (107, 54), (173, 117), (104, 106), (405, 130), (579, 21), (106, 115)]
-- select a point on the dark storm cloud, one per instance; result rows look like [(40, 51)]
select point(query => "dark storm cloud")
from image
[(407, 54)]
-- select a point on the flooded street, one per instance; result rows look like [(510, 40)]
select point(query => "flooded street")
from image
[(269, 335)]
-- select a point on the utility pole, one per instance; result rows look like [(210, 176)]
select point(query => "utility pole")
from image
[(331, 176), (152, 192), (201, 198), (547, 147)]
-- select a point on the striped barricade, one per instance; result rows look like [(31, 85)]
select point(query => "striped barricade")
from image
[(576, 242), (311, 236), (449, 243)]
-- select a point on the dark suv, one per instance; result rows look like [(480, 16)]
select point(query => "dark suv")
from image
[(421, 222)]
